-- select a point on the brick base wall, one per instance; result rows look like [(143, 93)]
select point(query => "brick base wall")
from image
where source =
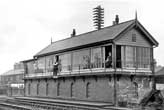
[(100, 88), (91, 88)]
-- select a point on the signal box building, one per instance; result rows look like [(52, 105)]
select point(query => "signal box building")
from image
[(110, 65)]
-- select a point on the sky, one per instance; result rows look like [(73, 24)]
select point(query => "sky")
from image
[(27, 26)]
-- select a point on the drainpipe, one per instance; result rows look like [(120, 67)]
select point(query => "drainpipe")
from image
[(114, 74), (153, 63)]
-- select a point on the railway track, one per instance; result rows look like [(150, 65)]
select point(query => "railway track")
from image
[(25, 103)]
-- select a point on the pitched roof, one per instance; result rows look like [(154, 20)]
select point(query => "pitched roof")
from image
[(160, 71), (13, 72), (105, 34)]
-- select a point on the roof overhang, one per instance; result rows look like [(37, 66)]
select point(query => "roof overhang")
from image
[(139, 26), (75, 48)]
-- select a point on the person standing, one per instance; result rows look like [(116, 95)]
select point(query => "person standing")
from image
[(108, 61), (55, 66)]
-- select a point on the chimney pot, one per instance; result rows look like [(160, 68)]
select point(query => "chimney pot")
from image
[(117, 19), (114, 22), (73, 33)]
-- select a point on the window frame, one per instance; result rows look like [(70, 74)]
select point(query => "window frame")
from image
[(138, 62)]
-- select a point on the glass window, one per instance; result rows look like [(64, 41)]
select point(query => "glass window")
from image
[(123, 56), (96, 57), (30, 67), (129, 56), (136, 57), (81, 59), (65, 62), (39, 65), (139, 58), (147, 57), (49, 63)]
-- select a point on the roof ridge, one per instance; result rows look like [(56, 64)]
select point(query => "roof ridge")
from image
[(94, 31), (81, 36)]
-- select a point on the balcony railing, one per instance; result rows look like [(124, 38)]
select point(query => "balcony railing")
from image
[(131, 67)]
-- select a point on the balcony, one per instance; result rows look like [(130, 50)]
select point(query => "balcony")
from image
[(139, 68)]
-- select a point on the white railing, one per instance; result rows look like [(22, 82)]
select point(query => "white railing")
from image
[(39, 74), (121, 67)]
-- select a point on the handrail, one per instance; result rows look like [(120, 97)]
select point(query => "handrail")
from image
[(92, 67)]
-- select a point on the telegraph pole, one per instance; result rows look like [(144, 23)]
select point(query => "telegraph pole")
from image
[(98, 17)]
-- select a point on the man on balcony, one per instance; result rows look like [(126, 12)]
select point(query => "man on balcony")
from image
[(108, 61), (55, 66)]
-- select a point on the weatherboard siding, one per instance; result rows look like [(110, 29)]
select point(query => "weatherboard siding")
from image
[(126, 39)]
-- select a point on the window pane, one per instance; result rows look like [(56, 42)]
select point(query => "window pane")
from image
[(147, 58), (96, 60), (129, 56), (40, 65), (49, 63), (30, 67), (136, 57), (139, 58), (123, 56), (65, 62), (81, 59)]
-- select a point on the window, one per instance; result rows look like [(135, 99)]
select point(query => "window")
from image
[(65, 62), (135, 89), (58, 89), (29, 89), (108, 56), (130, 56), (47, 89), (118, 56), (30, 67), (40, 65), (81, 59), (37, 89), (135, 57), (49, 63), (96, 57), (88, 90), (145, 83), (133, 37), (72, 90)]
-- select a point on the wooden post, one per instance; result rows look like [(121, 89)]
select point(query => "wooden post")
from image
[(153, 69), (114, 74)]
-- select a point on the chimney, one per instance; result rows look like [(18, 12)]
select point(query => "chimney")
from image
[(114, 22), (73, 33), (117, 20)]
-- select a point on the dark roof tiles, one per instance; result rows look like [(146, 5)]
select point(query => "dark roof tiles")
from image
[(106, 33)]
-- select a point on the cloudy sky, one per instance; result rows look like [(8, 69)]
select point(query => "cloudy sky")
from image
[(26, 26)]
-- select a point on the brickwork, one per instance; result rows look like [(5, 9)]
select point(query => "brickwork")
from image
[(100, 89), (132, 90)]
